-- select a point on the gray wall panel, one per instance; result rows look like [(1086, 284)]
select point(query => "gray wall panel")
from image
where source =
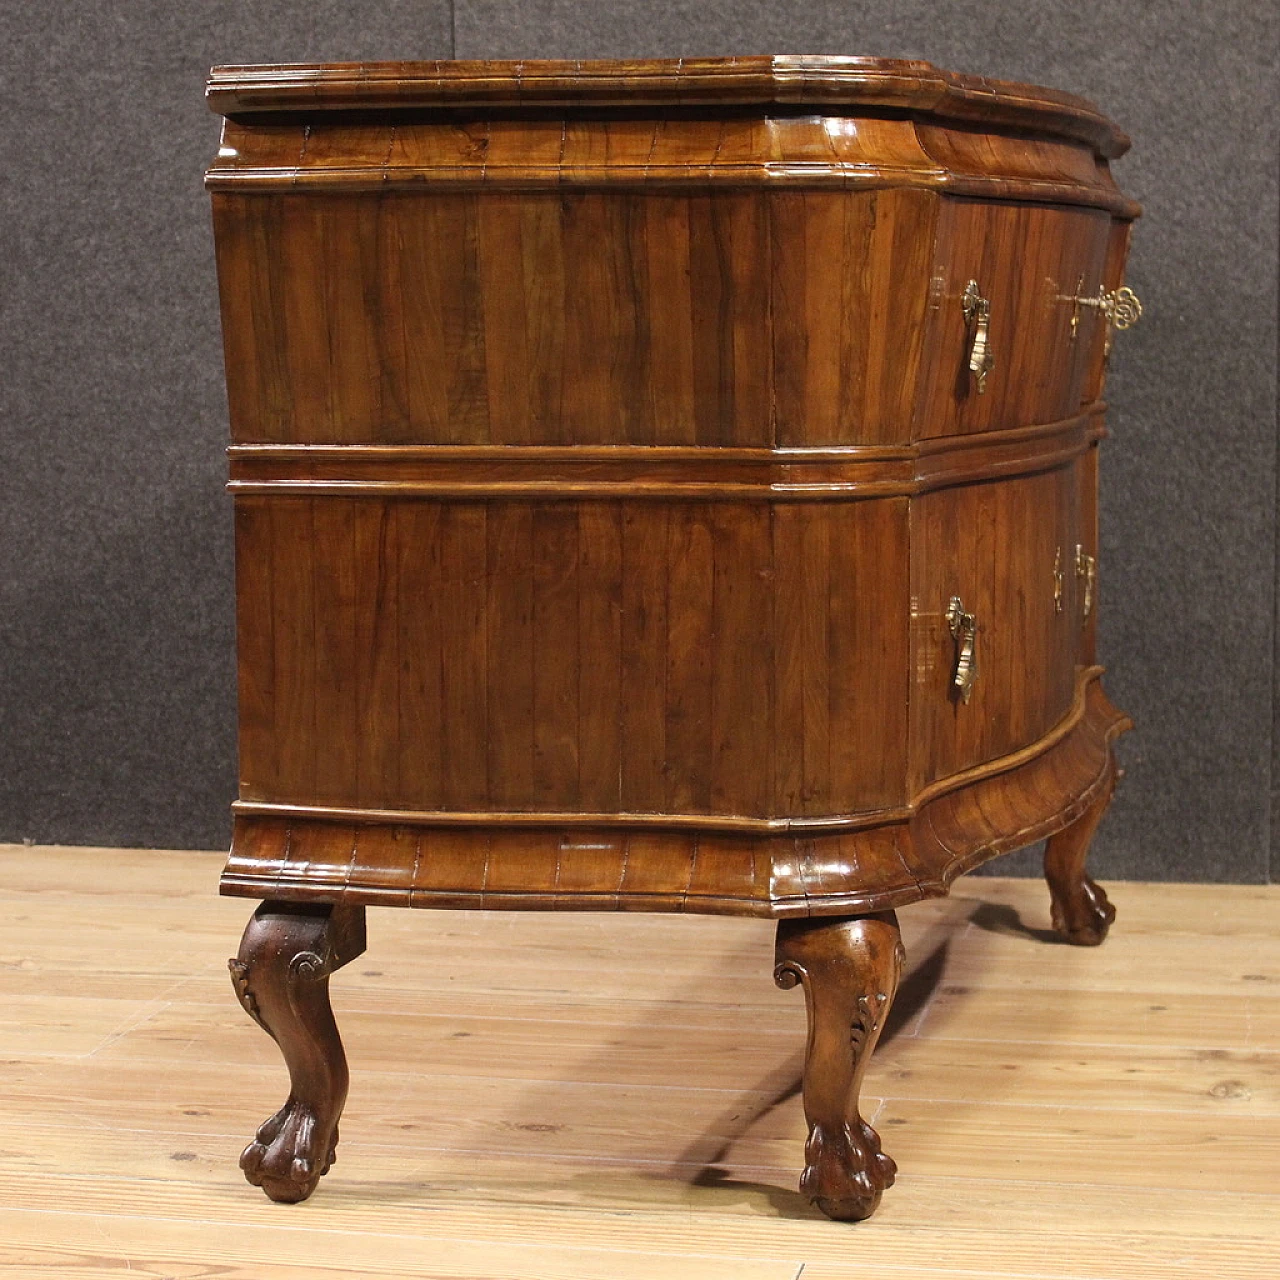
[(116, 698), (117, 711)]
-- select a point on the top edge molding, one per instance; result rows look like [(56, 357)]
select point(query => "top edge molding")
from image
[(826, 84)]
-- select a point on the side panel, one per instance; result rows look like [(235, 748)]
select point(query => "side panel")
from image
[(574, 318), (849, 289), (642, 656), (496, 318)]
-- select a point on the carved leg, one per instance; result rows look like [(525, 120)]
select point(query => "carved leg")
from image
[(850, 970), (1081, 912), (282, 978)]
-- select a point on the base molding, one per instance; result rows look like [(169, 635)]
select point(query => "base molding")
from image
[(865, 864)]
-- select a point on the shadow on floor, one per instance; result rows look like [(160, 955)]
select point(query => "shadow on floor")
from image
[(997, 917)]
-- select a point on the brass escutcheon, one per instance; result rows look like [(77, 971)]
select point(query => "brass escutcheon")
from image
[(1087, 571), (1057, 581)]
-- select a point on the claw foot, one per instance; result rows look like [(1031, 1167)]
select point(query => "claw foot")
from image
[(846, 1172), (1085, 918), (282, 1157)]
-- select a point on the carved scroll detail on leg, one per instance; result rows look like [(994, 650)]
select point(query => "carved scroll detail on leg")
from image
[(281, 977), (1081, 912), (240, 981), (849, 969)]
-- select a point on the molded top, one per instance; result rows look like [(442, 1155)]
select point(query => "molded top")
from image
[(824, 84)]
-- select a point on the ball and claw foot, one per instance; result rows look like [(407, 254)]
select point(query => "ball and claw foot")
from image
[(281, 1159), (1085, 919), (846, 1174)]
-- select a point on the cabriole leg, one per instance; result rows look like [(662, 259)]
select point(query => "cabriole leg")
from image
[(849, 969), (282, 978), (1081, 912)]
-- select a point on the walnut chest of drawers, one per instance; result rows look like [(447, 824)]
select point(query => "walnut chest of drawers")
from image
[(659, 486)]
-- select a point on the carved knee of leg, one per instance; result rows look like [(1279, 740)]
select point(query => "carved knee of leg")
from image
[(281, 977)]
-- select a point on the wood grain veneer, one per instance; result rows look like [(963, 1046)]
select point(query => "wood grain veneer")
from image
[(606, 457)]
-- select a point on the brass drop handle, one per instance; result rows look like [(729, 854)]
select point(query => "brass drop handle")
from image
[(964, 631), (977, 314), (1087, 572)]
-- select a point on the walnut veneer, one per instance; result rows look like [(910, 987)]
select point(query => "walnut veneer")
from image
[(637, 508)]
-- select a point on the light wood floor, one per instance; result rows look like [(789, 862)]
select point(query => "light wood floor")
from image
[(617, 1096)]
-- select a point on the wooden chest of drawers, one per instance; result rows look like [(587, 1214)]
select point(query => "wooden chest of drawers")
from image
[(659, 486)]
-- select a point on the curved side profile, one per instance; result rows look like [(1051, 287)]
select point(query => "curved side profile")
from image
[(595, 862)]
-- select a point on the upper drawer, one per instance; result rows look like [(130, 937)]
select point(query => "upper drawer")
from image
[(1028, 263)]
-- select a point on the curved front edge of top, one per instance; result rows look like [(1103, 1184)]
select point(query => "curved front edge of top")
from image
[(856, 143), (815, 83), (908, 855)]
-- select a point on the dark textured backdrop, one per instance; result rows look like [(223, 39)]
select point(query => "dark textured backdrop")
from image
[(116, 666)]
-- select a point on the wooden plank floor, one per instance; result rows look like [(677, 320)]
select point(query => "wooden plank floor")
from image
[(617, 1096)]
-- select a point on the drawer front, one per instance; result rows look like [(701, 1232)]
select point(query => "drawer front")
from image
[(1007, 550), (1027, 262)]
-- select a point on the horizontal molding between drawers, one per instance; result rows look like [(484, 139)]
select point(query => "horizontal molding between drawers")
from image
[(574, 472)]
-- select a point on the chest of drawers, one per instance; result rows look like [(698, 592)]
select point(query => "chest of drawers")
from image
[(659, 486)]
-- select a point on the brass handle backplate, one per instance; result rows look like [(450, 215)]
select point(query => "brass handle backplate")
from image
[(977, 314), (964, 631), (1057, 581), (1087, 572)]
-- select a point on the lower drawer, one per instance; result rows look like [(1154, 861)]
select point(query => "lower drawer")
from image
[(1006, 550)]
